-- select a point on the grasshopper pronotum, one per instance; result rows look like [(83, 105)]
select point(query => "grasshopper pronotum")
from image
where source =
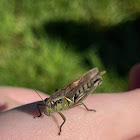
[(72, 95)]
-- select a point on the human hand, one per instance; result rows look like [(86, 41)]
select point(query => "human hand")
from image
[(117, 117)]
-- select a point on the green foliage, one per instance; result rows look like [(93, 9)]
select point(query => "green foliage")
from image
[(31, 57), (45, 67), (112, 82)]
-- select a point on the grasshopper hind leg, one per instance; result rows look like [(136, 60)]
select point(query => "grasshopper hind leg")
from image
[(81, 103)]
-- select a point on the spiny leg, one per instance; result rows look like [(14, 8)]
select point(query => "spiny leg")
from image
[(81, 103), (38, 105), (84, 106), (64, 120)]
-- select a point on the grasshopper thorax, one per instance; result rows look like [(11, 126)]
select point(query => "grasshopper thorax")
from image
[(55, 105)]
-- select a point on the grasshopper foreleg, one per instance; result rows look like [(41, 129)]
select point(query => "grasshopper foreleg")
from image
[(38, 107)]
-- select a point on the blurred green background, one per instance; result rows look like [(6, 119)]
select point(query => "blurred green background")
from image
[(45, 45)]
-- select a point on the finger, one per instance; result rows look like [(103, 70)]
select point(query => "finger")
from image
[(11, 97), (117, 118), (134, 77)]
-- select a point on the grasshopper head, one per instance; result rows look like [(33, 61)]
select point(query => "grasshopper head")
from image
[(49, 107)]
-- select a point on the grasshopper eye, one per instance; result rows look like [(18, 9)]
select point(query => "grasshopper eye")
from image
[(52, 104)]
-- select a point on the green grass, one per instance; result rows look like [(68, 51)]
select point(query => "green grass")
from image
[(47, 44)]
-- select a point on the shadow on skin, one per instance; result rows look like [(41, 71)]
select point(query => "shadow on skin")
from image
[(3, 107), (32, 110)]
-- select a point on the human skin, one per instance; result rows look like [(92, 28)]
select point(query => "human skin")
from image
[(117, 116)]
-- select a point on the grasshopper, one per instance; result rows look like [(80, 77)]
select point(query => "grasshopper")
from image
[(72, 95)]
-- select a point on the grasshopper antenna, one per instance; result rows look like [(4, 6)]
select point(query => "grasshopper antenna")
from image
[(40, 96)]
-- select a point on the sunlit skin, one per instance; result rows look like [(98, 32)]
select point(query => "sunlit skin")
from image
[(117, 116)]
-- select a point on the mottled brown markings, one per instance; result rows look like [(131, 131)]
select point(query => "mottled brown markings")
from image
[(89, 84)]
